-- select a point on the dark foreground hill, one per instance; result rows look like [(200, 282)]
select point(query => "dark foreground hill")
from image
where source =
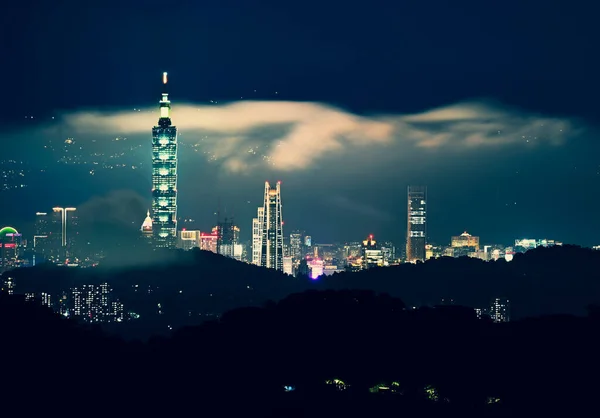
[(194, 285), (553, 280), (315, 354)]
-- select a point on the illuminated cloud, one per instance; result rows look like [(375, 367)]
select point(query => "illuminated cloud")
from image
[(291, 136)]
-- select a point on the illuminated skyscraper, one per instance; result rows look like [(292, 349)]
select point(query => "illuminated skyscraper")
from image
[(257, 236), (164, 177), (271, 223), (296, 250), (42, 232), (62, 232), (416, 230)]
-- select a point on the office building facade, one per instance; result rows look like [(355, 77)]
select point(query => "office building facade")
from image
[(267, 230), (416, 230)]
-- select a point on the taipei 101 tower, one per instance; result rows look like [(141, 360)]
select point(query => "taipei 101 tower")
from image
[(164, 176)]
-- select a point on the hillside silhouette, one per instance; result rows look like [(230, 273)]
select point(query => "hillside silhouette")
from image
[(543, 281), (312, 354), (197, 285)]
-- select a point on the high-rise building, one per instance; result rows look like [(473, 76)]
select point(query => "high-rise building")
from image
[(296, 246), (257, 236), (41, 235), (389, 253), (228, 242), (208, 241), (72, 241), (416, 231), (164, 177), (288, 266), (62, 233), (271, 244), (372, 255)]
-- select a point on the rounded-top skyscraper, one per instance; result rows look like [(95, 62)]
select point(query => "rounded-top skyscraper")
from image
[(164, 176)]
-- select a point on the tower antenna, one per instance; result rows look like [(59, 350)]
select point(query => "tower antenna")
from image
[(165, 77)]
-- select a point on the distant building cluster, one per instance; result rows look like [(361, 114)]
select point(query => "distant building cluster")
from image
[(55, 239), (87, 303), (498, 311)]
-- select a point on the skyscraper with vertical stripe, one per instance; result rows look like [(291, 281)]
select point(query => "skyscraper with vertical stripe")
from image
[(164, 176), (268, 230), (416, 231)]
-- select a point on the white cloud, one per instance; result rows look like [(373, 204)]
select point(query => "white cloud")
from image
[(294, 135)]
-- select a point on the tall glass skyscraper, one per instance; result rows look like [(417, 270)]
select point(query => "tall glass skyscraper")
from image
[(416, 231), (164, 176), (270, 224)]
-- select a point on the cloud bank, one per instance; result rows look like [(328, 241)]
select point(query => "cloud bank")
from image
[(290, 136)]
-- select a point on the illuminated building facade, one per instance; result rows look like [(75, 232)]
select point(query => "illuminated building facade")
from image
[(465, 240), (164, 177), (10, 240), (389, 253), (272, 229), (288, 265), (41, 238), (94, 303), (522, 245), (316, 267), (257, 237), (308, 241), (228, 242), (416, 231), (62, 234), (500, 310), (296, 246), (208, 241), (45, 299), (464, 244), (188, 239), (372, 255)]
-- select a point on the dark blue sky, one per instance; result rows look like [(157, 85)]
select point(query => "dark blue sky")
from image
[(367, 56), (376, 57)]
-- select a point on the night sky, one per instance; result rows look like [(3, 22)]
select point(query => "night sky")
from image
[(492, 105)]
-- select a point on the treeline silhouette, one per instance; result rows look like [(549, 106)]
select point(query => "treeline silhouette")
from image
[(192, 285), (439, 361)]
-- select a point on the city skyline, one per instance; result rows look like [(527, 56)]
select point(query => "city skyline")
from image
[(346, 124)]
